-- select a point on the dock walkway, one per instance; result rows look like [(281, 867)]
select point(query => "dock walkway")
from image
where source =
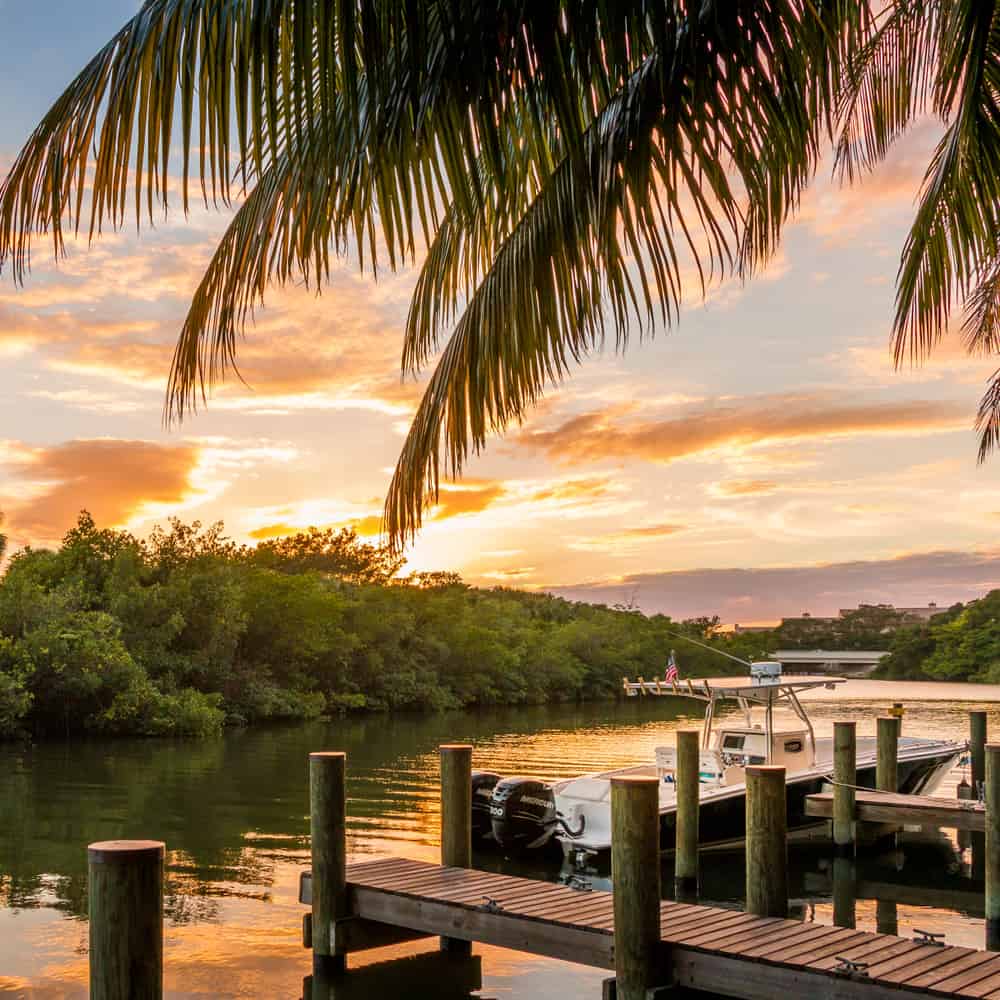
[(705, 948), (905, 810)]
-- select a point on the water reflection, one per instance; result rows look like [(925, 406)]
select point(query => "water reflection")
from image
[(234, 815), (455, 977)]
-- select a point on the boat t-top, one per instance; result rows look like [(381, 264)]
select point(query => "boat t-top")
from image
[(772, 728)]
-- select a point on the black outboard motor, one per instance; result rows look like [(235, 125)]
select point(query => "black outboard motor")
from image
[(483, 783), (523, 814)]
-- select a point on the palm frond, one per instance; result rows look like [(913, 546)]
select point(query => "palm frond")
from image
[(981, 325), (888, 81), (600, 245), (988, 418), (954, 234), (239, 76)]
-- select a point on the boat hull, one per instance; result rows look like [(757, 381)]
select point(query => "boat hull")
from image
[(722, 817)]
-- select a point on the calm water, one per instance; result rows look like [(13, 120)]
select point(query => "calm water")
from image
[(233, 813)]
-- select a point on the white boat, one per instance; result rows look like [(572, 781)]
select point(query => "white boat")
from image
[(526, 813)]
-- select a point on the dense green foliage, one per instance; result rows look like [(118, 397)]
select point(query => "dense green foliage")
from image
[(185, 632), (960, 644)]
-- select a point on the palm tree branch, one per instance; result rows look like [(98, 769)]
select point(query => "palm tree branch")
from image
[(655, 155)]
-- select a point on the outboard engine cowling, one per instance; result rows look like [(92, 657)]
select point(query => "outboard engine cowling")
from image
[(483, 783), (522, 814)]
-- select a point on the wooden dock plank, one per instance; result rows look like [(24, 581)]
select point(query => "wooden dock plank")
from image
[(702, 929), (700, 925), (916, 810), (879, 948), (755, 938), (971, 960), (579, 910), (877, 956), (984, 988), (902, 970), (504, 930), (955, 984), (711, 949), (787, 947), (735, 976), (729, 935)]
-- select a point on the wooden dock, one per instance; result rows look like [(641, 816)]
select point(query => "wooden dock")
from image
[(705, 948), (905, 810)]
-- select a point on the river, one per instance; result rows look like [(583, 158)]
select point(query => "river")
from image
[(234, 815)]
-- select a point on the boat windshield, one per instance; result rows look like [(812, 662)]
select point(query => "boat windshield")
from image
[(766, 690)]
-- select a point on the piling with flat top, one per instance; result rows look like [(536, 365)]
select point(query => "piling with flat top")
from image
[(767, 852), (886, 766), (328, 826), (456, 819), (992, 852), (977, 750), (687, 785), (845, 776), (126, 919), (635, 875)]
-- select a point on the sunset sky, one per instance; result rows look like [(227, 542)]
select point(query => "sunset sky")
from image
[(761, 458)]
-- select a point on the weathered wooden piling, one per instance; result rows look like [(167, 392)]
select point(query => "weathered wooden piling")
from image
[(688, 788), (456, 819), (886, 764), (977, 750), (126, 919), (328, 834), (844, 893), (992, 852), (766, 847), (887, 916), (845, 776), (635, 874)]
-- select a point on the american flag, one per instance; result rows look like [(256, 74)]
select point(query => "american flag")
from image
[(671, 674)]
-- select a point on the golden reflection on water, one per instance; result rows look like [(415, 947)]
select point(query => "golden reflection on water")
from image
[(234, 814)]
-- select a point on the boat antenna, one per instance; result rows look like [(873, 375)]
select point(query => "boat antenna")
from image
[(711, 649)]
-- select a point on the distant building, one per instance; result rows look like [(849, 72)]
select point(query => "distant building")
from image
[(737, 629), (923, 613), (816, 623)]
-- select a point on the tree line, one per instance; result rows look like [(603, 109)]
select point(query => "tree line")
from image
[(185, 632), (959, 644)]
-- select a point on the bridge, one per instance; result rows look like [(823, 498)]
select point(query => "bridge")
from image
[(846, 662)]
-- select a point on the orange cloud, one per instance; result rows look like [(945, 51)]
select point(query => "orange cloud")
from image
[(454, 500), (598, 435), (366, 526), (568, 497), (574, 489), (113, 479), (518, 573), (744, 487), (652, 531), (303, 352), (627, 539)]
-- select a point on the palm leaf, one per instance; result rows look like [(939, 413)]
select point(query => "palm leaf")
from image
[(600, 244)]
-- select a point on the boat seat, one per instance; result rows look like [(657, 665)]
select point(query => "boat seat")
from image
[(711, 770)]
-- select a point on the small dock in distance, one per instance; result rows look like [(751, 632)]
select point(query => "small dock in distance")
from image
[(704, 948), (905, 810)]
